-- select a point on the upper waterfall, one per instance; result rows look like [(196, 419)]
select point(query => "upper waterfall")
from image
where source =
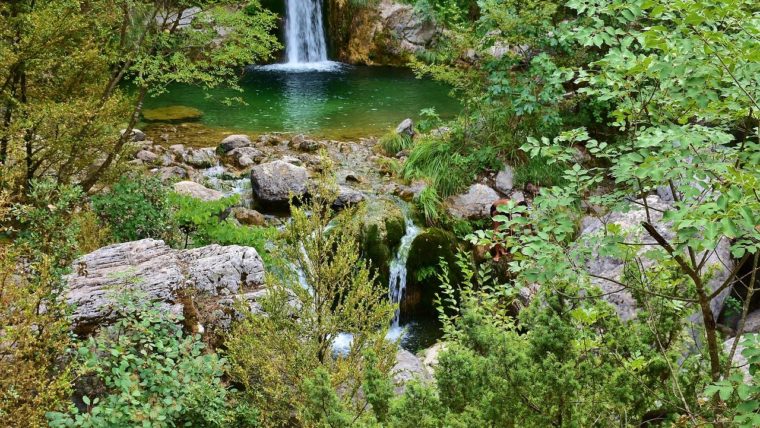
[(304, 32)]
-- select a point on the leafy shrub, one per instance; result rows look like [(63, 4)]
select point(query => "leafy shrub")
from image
[(34, 378), (136, 208), (203, 223), (46, 222), (152, 374)]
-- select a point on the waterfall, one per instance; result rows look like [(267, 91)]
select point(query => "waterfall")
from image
[(397, 277), (304, 32)]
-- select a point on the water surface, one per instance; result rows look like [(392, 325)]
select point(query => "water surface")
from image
[(348, 102)]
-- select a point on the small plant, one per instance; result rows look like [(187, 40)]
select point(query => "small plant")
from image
[(136, 208), (440, 162), (394, 142), (204, 223), (429, 203), (151, 374)]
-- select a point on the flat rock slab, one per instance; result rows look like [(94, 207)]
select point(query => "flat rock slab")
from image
[(159, 272)]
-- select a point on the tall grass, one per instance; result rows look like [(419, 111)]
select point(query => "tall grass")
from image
[(393, 142), (429, 203), (440, 163)]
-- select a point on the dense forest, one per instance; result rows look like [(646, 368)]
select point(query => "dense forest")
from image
[(554, 222)]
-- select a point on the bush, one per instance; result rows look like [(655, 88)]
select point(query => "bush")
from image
[(151, 374), (136, 208), (204, 223)]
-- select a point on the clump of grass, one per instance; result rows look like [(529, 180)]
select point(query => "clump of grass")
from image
[(539, 172), (393, 142), (440, 163), (429, 203)]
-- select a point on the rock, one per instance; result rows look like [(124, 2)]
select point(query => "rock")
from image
[(347, 197), (172, 114), (177, 149), (430, 356), (157, 271), (752, 323), (171, 173), (248, 216), (299, 142), (292, 160), (352, 177), (246, 156), (411, 29), (201, 158), (405, 127), (382, 230), (504, 181), (426, 252), (272, 140), (407, 368), (146, 156), (719, 262), (739, 361), (137, 135), (410, 192), (198, 191), (233, 142), (517, 196), (474, 204), (274, 182)]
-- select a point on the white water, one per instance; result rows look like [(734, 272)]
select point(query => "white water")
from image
[(305, 43), (397, 277)]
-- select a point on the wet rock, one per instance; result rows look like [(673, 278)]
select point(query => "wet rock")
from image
[(410, 192), (157, 271), (299, 142), (244, 157), (382, 230), (504, 181), (430, 356), (198, 191), (248, 216), (473, 204), (201, 158), (233, 142), (407, 368), (274, 182)]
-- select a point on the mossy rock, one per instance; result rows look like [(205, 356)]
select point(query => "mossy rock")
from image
[(425, 255), (381, 235), (172, 114)]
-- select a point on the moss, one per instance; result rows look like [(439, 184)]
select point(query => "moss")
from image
[(424, 258), (381, 235), (172, 114)]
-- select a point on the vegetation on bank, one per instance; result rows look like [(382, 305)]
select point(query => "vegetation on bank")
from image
[(662, 96)]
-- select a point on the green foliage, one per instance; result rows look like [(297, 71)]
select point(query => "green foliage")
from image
[(136, 208), (429, 203), (204, 223), (321, 289), (393, 142), (438, 161), (741, 391), (149, 373), (33, 376), (47, 226)]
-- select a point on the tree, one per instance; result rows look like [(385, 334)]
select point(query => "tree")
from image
[(323, 289)]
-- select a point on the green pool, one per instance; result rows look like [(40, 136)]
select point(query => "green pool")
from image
[(346, 103)]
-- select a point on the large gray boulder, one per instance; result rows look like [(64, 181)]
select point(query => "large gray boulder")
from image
[(407, 368), (473, 204), (159, 272), (274, 182), (198, 191), (233, 142), (718, 262), (201, 158)]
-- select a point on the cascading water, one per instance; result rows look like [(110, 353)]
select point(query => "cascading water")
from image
[(304, 32), (305, 42), (397, 277)]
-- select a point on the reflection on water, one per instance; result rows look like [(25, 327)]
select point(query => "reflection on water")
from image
[(346, 102)]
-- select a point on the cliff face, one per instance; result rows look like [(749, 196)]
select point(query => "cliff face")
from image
[(381, 33)]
